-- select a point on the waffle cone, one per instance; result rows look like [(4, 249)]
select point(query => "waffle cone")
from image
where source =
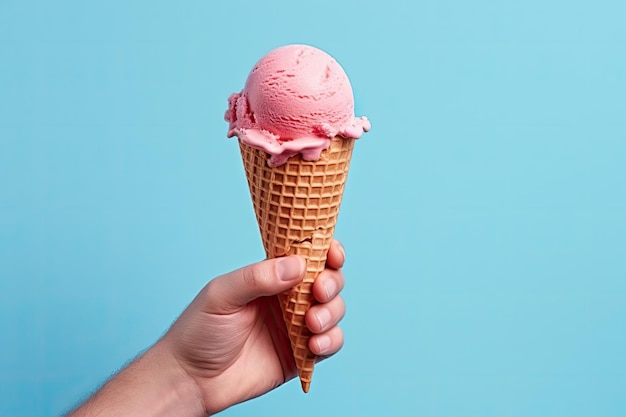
[(296, 206)]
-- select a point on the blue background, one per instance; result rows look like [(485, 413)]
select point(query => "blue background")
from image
[(484, 217)]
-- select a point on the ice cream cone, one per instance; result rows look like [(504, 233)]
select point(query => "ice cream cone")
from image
[(296, 206)]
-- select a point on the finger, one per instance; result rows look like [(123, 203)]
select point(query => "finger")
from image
[(336, 255), (327, 343), (234, 290), (327, 285), (322, 317)]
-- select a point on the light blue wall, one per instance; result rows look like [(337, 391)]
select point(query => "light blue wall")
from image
[(484, 217)]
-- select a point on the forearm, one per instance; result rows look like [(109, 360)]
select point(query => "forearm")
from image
[(151, 386)]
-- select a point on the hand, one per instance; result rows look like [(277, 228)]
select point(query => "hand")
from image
[(232, 341), (228, 346)]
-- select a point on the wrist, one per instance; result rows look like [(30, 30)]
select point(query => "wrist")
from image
[(177, 393), (153, 385)]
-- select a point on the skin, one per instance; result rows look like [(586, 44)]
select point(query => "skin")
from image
[(228, 346)]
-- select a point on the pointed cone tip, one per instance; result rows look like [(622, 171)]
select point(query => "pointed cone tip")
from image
[(305, 386)]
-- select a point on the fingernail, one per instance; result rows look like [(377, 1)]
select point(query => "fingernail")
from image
[(290, 268), (323, 317), (330, 286), (323, 343)]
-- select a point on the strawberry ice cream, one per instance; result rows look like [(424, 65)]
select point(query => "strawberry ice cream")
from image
[(296, 99)]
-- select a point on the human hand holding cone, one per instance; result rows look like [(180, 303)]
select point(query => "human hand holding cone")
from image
[(296, 127)]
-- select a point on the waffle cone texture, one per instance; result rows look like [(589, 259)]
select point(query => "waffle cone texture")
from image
[(296, 206)]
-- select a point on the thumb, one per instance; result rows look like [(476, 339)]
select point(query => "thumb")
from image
[(234, 290)]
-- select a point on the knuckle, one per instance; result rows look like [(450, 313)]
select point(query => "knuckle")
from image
[(340, 338), (338, 309), (256, 275), (248, 275), (340, 279)]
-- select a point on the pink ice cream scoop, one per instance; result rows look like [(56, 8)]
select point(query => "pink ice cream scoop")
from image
[(296, 99)]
